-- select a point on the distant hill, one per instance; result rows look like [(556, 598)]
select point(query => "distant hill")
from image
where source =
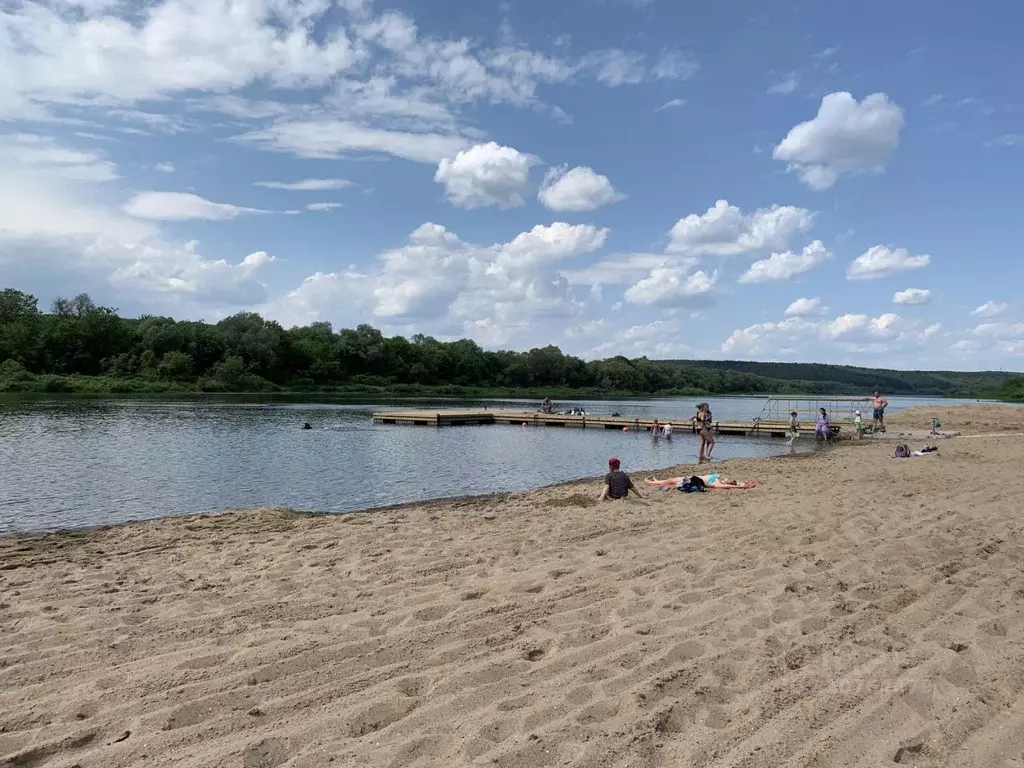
[(853, 380)]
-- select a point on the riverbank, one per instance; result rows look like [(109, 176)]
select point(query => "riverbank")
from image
[(26, 383), (253, 385), (850, 609)]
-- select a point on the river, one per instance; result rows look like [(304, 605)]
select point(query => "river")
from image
[(71, 462)]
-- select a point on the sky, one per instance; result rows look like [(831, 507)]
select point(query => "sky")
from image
[(793, 181)]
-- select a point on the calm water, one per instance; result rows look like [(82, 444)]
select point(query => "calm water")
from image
[(72, 462)]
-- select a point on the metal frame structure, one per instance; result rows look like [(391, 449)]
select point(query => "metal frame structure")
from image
[(840, 409)]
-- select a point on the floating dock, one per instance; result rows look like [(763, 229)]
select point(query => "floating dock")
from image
[(459, 418)]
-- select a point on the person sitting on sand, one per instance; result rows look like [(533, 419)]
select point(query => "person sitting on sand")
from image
[(617, 484), (716, 481)]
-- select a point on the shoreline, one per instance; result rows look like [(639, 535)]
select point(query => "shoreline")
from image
[(428, 504)]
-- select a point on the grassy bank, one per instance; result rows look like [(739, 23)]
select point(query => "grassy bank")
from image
[(20, 381), (110, 385)]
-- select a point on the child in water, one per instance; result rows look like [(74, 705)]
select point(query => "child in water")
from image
[(794, 428)]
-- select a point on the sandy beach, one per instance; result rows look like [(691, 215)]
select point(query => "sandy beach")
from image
[(852, 610)]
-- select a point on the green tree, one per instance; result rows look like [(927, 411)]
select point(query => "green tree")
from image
[(15, 305), (175, 365), (248, 352), (230, 371)]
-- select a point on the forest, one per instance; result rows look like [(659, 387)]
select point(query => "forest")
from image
[(78, 346)]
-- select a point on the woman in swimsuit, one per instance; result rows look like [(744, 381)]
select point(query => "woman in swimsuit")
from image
[(698, 421), (714, 481), (709, 435)]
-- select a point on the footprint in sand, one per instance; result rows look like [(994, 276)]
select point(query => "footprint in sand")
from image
[(380, 716), (37, 756), (413, 686), (511, 705), (205, 662), (268, 753), (598, 712), (433, 613)]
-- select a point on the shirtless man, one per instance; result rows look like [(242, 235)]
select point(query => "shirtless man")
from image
[(879, 404)]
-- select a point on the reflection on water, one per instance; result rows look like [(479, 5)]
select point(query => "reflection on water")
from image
[(72, 462)]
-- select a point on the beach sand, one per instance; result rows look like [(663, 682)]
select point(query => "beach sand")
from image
[(975, 419), (853, 610)]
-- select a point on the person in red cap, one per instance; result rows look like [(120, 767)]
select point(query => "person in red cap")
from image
[(617, 484)]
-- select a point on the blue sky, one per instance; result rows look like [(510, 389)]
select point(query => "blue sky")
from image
[(637, 177)]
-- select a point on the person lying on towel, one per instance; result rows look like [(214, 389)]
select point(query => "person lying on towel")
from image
[(714, 481)]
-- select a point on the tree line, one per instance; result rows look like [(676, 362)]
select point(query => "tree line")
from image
[(78, 345)]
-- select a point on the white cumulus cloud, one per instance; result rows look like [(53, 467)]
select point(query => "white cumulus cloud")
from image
[(804, 307), (845, 324), (724, 230), (486, 174), (182, 273), (672, 286), (770, 338), (488, 292), (846, 136), (551, 243), (912, 296), (578, 189), (786, 265), (882, 261)]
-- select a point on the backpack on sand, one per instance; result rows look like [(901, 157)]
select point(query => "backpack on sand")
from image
[(902, 451)]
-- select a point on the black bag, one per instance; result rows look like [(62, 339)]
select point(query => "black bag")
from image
[(902, 451), (693, 485)]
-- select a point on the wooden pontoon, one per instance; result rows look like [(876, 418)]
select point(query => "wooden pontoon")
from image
[(467, 418)]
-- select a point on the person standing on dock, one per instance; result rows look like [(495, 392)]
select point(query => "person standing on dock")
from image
[(879, 404)]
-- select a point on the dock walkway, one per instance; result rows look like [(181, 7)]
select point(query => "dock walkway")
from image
[(466, 418)]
